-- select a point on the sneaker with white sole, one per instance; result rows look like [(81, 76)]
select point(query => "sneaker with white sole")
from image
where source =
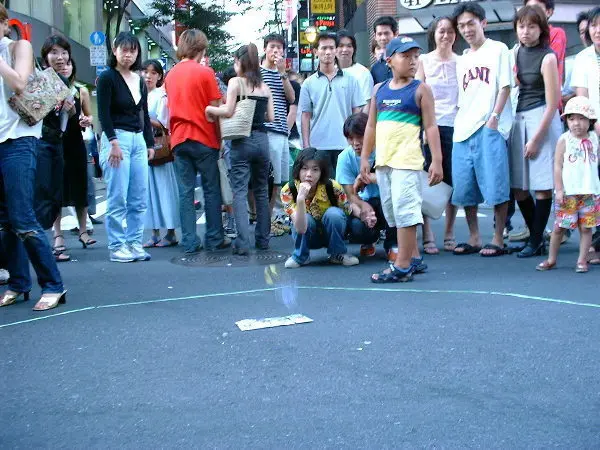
[(291, 263), (138, 252), (344, 260), (122, 255)]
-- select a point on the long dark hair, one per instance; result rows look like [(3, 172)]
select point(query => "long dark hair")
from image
[(247, 55), (535, 15), (311, 154)]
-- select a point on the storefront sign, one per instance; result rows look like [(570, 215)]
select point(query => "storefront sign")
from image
[(322, 7), (419, 4), (324, 23)]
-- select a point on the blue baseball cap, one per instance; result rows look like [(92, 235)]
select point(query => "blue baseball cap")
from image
[(401, 44)]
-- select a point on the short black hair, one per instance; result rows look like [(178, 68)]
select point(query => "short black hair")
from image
[(593, 15), (274, 37), (355, 125), (549, 4), (581, 17), (127, 40), (51, 41), (346, 34), (157, 66), (228, 74), (388, 21), (469, 7), (311, 154), (327, 35)]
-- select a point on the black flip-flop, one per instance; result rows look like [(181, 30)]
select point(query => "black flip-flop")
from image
[(468, 249), (498, 251)]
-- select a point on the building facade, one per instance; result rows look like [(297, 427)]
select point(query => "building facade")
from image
[(77, 20), (414, 16)]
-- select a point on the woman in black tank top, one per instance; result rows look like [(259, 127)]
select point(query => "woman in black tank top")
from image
[(249, 156)]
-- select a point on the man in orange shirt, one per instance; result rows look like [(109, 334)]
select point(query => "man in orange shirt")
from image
[(191, 87)]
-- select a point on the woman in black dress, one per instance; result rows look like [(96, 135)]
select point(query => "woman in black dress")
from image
[(75, 156)]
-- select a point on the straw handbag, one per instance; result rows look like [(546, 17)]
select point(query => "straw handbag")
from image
[(239, 125), (44, 90)]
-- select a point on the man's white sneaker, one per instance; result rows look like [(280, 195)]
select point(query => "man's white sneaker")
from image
[(344, 260), (291, 263), (138, 252), (122, 255)]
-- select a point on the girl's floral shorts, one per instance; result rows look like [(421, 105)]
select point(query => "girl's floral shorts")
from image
[(577, 210)]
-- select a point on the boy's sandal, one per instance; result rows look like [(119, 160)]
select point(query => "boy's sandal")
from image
[(467, 249), (497, 250), (430, 248), (581, 267), (546, 265), (449, 245), (392, 275)]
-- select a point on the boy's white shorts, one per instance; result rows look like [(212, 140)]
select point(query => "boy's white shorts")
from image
[(401, 196)]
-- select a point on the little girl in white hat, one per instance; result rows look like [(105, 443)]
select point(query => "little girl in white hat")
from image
[(576, 182)]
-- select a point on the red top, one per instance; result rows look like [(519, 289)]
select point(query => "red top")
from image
[(558, 43), (190, 89)]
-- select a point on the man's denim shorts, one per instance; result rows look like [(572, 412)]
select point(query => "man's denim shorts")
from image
[(480, 169)]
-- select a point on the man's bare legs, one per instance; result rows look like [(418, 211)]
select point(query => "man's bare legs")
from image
[(473, 224), (500, 212)]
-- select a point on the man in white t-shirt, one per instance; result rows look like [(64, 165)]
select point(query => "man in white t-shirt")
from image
[(346, 54), (481, 128)]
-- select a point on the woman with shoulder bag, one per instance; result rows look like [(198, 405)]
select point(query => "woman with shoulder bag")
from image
[(163, 196), (127, 146), (21, 235), (249, 156)]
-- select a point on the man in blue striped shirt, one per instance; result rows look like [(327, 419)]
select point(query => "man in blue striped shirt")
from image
[(274, 75)]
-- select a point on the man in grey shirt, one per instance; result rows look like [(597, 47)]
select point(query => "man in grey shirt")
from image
[(327, 98)]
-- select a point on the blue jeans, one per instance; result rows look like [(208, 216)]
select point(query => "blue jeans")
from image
[(327, 232), (250, 162), (359, 233), (21, 235), (126, 189), (191, 158)]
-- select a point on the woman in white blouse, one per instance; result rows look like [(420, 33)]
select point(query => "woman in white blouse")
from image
[(438, 69), (163, 197)]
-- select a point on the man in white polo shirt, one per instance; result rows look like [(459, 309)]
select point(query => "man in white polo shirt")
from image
[(327, 98)]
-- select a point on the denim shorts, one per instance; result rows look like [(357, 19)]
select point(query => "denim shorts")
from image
[(480, 169)]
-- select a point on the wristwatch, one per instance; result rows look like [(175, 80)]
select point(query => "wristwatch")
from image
[(284, 76), (495, 115)]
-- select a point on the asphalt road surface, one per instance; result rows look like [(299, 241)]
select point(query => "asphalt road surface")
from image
[(476, 353)]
